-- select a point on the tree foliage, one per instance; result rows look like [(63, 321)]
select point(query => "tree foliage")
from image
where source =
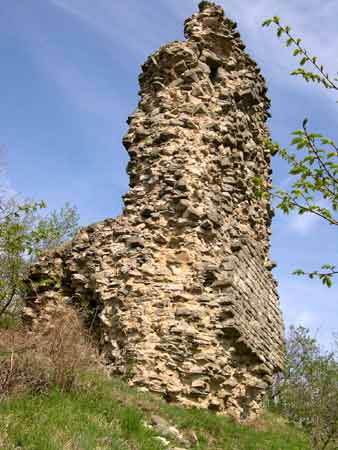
[(312, 157), (24, 233), (307, 391)]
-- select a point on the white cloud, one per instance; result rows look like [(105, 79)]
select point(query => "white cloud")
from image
[(307, 319), (83, 85), (306, 223), (134, 26), (88, 93), (308, 303), (67, 5), (303, 224)]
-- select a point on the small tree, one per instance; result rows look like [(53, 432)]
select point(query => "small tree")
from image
[(312, 157), (307, 391), (24, 234)]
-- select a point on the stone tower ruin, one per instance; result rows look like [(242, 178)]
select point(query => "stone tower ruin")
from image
[(179, 287)]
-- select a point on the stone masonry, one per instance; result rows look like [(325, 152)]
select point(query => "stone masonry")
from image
[(179, 287)]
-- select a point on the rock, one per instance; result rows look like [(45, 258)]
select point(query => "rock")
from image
[(270, 264), (163, 441), (135, 242), (223, 282), (166, 430), (78, 279)]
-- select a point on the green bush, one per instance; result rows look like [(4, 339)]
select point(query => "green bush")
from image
[(307, 391), (24, 234)]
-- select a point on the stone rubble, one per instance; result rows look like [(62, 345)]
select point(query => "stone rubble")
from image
[(179, 287), (168, 431)]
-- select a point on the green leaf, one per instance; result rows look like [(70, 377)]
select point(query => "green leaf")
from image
[(298, 272), (280, 31), (296, 140), (327, 281), (266, 23)]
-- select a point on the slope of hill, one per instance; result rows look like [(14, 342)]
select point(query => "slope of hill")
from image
[(109, 415)]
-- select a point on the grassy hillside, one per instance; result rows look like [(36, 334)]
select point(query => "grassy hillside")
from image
[(108, 415)]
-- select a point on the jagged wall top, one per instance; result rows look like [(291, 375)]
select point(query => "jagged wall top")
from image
[(206, 30), (210, 17)]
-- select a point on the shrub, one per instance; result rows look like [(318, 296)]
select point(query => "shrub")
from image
[(24, 234), (53, 357), (307, 392)]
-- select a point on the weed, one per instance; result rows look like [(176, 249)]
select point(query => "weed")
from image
[(51, 357)]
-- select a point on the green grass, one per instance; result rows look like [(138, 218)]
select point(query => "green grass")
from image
[(9, 321), (110, 416)]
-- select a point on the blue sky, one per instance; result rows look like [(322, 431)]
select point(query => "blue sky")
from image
[(69, 80)]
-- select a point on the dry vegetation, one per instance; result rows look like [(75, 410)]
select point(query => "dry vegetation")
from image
[(54, 356)]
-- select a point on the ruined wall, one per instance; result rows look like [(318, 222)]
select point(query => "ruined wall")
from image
[(179, 287)]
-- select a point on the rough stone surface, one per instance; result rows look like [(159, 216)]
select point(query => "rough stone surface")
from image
[(179, 288)]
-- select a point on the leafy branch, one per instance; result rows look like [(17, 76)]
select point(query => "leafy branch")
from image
[(328, 271), (312, 157), (321, 76)]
